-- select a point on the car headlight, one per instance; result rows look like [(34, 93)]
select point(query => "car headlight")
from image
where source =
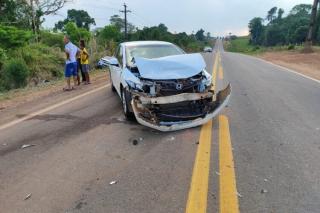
[(134, 85), (208, 78)]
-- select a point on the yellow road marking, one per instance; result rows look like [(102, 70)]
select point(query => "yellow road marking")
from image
[(220, 72), (228, 191), (14, 122), (214, 71), (198, 192)]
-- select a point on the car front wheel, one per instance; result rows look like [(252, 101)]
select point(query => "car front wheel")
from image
[(125, 96)]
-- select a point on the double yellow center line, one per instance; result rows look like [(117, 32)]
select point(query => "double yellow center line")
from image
[(198, 193)]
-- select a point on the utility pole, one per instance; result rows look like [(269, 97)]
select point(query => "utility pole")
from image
[(308, 44), (125, 11)]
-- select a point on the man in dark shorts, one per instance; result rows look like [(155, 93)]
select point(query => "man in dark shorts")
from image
[(71, 66)]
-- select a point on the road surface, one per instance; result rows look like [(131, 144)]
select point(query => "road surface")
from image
[(261, 154)]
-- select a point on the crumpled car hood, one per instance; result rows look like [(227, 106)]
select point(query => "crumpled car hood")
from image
[(171, 67)]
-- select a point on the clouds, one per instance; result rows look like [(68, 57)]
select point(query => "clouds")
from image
[(219, 17)]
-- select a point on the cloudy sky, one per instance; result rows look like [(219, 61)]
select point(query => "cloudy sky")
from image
[(219, 17)]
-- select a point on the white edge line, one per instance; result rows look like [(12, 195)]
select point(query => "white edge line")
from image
[(31, 115), (279, 66)]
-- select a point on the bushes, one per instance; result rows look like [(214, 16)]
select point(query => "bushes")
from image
[(52, 39), (12, 37), (43, 61), (14, 74)]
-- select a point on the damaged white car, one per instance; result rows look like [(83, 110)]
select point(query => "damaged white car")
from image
[(163, 87)]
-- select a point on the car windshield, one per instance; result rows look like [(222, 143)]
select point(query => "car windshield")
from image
[(151, 51)]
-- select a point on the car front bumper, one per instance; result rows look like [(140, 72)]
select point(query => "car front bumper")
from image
[(220, 100)]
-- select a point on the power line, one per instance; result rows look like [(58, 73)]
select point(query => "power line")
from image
[(125, 11), (146, 21)]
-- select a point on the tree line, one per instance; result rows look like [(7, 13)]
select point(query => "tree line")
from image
[(277, 29), (32, 54)]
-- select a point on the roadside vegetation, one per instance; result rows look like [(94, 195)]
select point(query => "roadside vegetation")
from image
[(277, 32), (31, 55)]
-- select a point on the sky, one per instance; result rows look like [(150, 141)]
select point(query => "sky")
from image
[(219, 17)]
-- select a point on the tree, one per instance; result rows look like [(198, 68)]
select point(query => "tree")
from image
[(76, 33), (271, 14), (200, 35), (16, 13), (301, 9), (311, 30), (117, 21), (12, 37), (256, 31), (110, 32), (280, 13), (80, 17), (275, 35)]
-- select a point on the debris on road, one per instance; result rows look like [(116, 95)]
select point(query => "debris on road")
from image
[(27, 146), (171, 138), (28, 196), (4, 144), (121, 119), (217, 173), (135, 142), (113, 182), (197, 142), (239, 195), (263, 191), (265, 180)]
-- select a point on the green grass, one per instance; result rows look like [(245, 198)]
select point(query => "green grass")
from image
[(241, 45)]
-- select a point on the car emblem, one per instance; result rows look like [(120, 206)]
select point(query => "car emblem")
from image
[(179, 86)]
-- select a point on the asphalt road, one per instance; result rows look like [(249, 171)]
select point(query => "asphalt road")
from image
[(272, 122)]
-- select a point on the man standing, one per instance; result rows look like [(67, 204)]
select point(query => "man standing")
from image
[(71, 51)]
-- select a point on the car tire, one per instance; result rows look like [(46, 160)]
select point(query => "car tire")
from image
[(125, 97)]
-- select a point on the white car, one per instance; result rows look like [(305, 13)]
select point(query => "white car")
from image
[(207, 49), (163, 87)]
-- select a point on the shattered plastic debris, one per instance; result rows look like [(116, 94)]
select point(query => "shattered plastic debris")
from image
[(120, 119), (28, 196), (171, 138), (27, 146), (113, 182), (263, 191), (239, 195), (135, 142)]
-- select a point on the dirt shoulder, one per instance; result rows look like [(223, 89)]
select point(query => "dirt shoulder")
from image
[(307, 64), (20, 102)]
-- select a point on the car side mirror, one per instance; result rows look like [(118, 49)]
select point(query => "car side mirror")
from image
[(112, 61)]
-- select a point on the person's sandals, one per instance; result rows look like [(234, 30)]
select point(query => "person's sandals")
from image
[(67, 89)]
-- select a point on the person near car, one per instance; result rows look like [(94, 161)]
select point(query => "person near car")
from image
[(83, 78), (72, 52), (84, 59)]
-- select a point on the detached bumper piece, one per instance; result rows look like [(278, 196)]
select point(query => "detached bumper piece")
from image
[(175, 112)]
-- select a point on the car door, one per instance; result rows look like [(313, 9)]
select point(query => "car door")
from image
[(116, 70)]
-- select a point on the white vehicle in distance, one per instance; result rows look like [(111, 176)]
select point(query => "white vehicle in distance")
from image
[(163, 87), (207, 49)]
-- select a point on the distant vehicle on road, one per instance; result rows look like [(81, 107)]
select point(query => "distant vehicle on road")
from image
[(207, 49), (163, 87)]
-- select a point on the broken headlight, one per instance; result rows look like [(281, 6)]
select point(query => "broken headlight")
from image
[(134, 85)]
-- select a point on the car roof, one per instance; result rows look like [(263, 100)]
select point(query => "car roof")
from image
[(141, 43)]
